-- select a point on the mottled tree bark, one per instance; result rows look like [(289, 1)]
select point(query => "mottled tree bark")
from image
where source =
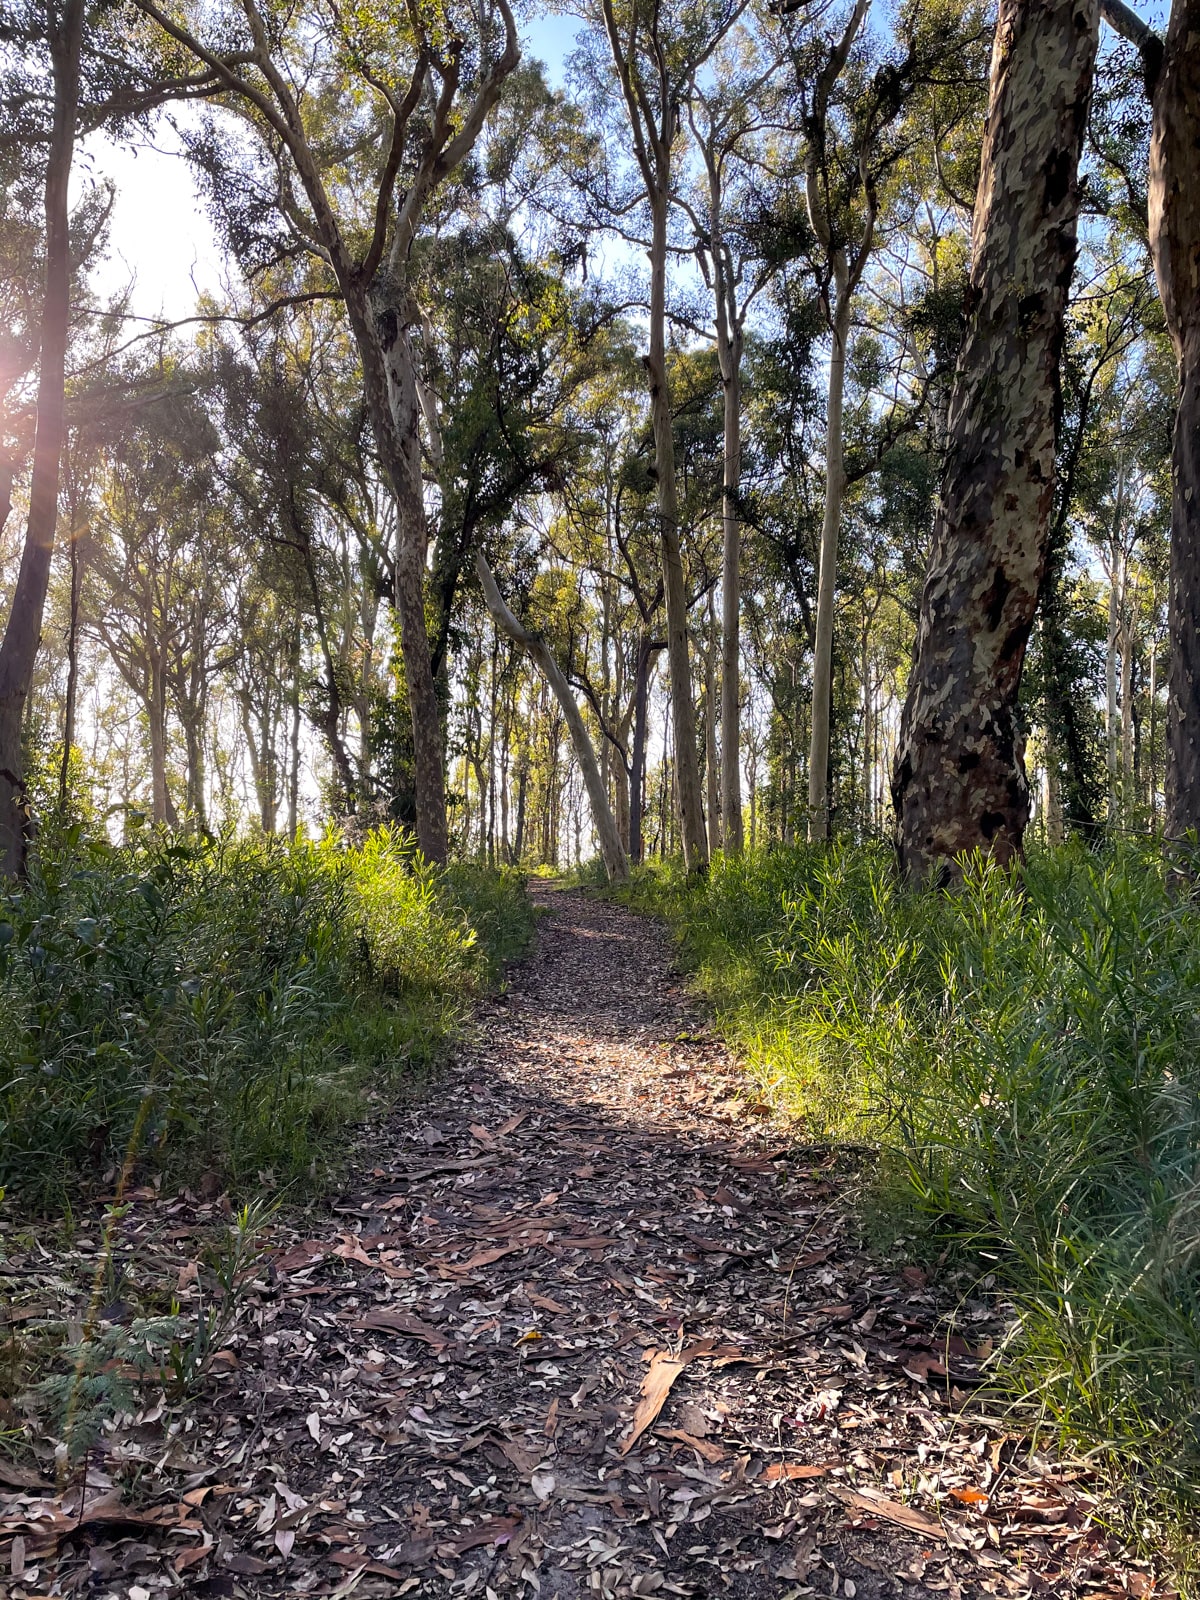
[(959, 782), (1175, 236), (19, 648)]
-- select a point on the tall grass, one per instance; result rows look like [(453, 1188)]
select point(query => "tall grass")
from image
[(1026, 1053), (235, 1001)]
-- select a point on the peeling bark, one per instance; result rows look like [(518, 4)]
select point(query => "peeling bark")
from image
[(959, 782)]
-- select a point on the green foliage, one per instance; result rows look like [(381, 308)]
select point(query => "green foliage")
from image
[(232, 1001), (1027, 1055), (112, 1367)]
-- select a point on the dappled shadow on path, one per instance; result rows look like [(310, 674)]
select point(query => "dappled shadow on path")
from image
[(451, 1385)]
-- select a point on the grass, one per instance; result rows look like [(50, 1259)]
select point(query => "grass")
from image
[(227, 1007), (1026, 1056)]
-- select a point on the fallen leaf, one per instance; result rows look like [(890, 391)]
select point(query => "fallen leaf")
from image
[(656, 1386), (544, 1303), (781, 1471), (705, 1447), (890, 1510), (402, 1322)]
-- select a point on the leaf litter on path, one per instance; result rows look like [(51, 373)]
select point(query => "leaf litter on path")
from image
[(587, 1322)]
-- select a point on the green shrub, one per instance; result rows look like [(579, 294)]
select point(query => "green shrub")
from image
[(234, 1001), (1026, 1053)]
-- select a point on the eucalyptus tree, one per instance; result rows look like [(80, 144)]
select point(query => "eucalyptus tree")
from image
[(866, 112), (959, 782), (63, 42), (656, 53), (313, 87), (734, 114), (155, 591), (1174, 219)]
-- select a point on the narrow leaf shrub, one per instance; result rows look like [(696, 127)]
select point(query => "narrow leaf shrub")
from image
[(253, 992), (1026, 1054)]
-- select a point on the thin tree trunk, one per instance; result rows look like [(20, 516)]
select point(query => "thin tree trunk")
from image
[(1054, 806), (616, 863), (637, 775), (959, 782), (711, 713), (1111, 713), (835, 488), (1127, 721), (729, 357), (1175, 236), (72, 694), (162, 807), (18, 651), (1152, 689), (522, 793), (293, 799), (687, 757)]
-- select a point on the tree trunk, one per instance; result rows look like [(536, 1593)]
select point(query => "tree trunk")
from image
[(196, 807), (1111, 712), (293, 793), (637, 774), (687, 757), (162, 807), (404, 471), (518, 849), (1127, 720), (616, 863), (959, 781), (72, 694), (835, 488), (1175, 236), (22, 636), (729, 356), (711, 713)]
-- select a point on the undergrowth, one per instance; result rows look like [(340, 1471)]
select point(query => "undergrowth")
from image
[(227, 1006), (1026, 1055)]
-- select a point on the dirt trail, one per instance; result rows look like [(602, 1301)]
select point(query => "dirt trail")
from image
[(439, 1394)]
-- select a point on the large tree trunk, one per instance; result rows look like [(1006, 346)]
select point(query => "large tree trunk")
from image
[(616, 863), (22, 636), (404, 470), (835, 488), (687, 757), (1175, 235), (959, 781)]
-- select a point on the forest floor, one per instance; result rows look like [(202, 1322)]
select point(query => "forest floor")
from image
[(590, 1319)]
